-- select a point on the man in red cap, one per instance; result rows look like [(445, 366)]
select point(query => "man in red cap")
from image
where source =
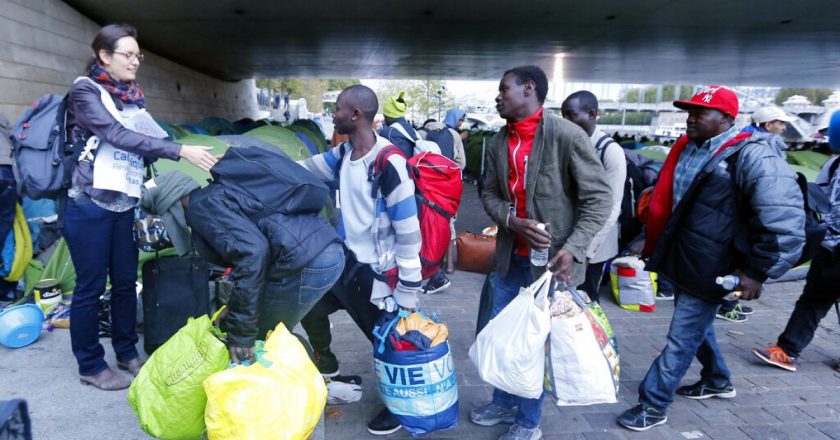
[(725, 203)]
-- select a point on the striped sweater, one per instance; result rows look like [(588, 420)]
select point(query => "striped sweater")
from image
[(395, 231)]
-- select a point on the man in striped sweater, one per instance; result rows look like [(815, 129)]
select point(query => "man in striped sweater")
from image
[(381, 231)]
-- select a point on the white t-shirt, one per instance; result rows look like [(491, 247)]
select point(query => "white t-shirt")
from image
[(358, 208)]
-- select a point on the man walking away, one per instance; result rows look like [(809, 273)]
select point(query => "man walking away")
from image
[(820, 292)]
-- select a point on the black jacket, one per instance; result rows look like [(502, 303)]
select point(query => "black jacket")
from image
[(233, 229), (744, 211)]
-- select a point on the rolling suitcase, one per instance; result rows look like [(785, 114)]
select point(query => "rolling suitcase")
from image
[(174, 289)]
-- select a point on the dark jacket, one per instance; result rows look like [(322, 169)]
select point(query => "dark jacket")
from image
[(752, 220), (86, 116), (397, 138), (566, 187), (233, 229)]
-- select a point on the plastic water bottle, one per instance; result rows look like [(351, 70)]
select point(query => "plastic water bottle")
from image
[(539, 257), (729, 282)]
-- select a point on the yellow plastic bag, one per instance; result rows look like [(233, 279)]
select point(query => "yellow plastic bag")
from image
[(23, 246), (281, 396)]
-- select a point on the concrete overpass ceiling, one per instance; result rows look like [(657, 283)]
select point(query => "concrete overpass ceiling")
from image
[(746, 42)]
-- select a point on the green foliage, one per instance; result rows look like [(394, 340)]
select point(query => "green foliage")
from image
[(631, 118), (649, 97), (816, 96)]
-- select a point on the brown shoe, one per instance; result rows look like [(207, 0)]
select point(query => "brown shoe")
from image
[(835, 364), (107, 379), (133, 366)]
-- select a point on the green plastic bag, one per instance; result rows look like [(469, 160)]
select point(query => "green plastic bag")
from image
[(167, 395)]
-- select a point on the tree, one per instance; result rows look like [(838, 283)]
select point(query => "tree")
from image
[(649, 97), (312, 90), (816, 96)]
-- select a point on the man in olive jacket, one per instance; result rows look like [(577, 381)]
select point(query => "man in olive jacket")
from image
[(541, 169)]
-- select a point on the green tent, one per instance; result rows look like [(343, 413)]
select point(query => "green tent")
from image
[(473, 150), (219, 148), (217, 126), (282, 138), (808, 159), (313, 133)]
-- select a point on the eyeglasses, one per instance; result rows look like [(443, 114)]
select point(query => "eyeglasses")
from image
[(132, 56)]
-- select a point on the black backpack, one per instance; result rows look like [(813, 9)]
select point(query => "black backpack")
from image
[(629, 226), (275, 180), (442, 137)]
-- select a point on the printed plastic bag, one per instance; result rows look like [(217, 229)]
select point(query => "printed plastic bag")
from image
[(281, 396), (417, 385), (509, 352), (634, 288), (167, 394), (582, 363)]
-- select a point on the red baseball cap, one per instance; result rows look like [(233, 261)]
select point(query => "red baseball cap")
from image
[(715, 97)]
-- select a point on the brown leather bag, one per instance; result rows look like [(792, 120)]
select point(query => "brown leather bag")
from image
[(475, 252)]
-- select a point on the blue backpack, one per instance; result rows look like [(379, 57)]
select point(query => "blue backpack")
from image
[(42, 160)]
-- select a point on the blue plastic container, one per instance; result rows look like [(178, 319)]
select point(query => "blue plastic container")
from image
[(20, 325)]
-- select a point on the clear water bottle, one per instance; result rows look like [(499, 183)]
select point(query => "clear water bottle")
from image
[(539, 257), (729, 282)]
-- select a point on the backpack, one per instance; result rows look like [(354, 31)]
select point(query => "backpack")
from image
[(629, 225), (443, 138), (278, 182), (420, 145), (815, 229), (42, 161), (437, 192)]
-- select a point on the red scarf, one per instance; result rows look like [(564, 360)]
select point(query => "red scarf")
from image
[(662, 202), (129, 92)]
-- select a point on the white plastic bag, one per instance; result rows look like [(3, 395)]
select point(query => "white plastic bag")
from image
[(510, 351), (634, 288), (582, 363)]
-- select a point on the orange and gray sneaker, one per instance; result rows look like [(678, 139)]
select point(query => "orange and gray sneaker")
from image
[(774, 355)]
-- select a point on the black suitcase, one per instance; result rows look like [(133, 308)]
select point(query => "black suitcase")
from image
[(14, 420), (174, 289)]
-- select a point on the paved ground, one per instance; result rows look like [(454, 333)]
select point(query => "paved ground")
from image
[(771, 403)]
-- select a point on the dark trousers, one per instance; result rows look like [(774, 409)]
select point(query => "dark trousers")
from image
[(350, 293), (101, 247), (818, 296), (592, 284)]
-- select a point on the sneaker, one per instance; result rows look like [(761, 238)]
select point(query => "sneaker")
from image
[(384, 423), (742, 309), (337, 377), (641, 418), (835, 364), (437, 284), (492, 414), (519, 432), (700, 391), (774, 355), (732, 316), (664, 296)]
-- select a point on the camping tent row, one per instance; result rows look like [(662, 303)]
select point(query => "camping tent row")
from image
[(307, 131)]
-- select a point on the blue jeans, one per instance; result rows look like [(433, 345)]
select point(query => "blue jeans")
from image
[(692, 333), (101, 246), (288, 299), (519, 275)]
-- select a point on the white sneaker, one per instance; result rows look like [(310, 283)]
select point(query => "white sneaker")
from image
[(339, 393)]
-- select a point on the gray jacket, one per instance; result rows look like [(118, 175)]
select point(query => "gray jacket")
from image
[(5, 143), (566, 187)]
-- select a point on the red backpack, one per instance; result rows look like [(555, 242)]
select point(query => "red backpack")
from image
[(437, 190)]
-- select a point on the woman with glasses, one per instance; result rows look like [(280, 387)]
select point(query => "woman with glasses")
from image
[(106, 114)]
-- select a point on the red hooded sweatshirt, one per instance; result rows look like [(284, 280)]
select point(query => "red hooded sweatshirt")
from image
[(520, 141)]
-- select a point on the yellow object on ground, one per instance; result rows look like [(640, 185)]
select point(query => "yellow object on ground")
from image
[(437, 332), (23, 246), (281, 396)]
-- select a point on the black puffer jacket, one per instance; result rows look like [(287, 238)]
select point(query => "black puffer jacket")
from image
[(754, 222), (233, 229)]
